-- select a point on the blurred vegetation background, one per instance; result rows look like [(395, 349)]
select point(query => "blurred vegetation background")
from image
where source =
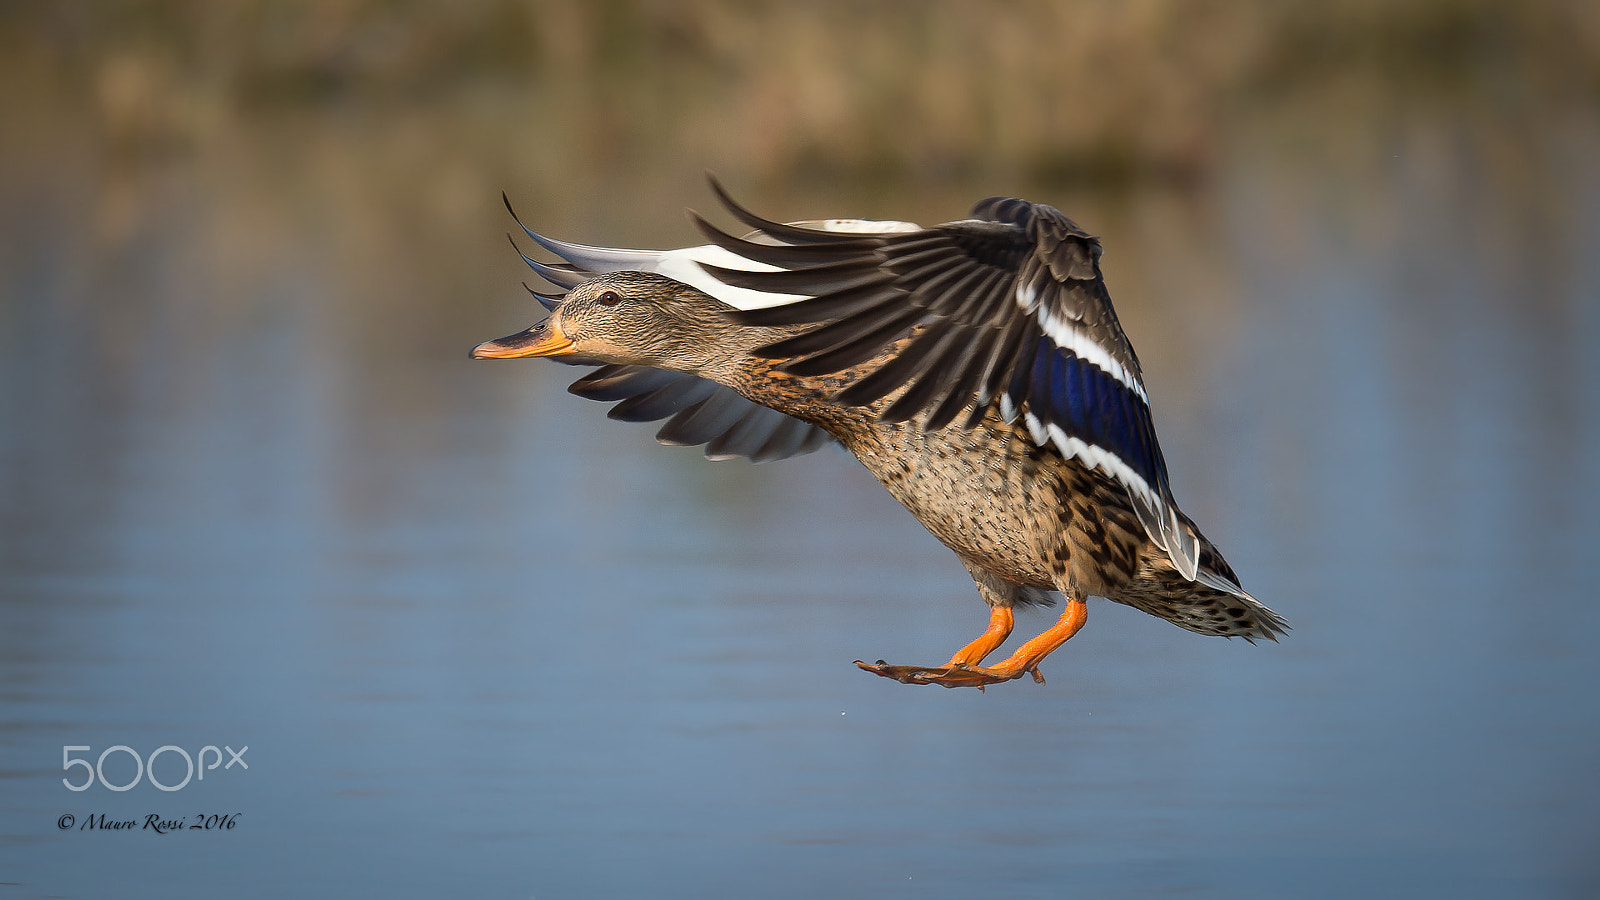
[(567, 97), (1038, 91), (227, 156)]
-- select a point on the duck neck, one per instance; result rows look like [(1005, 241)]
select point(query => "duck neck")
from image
[(727, 359), (731, 363)]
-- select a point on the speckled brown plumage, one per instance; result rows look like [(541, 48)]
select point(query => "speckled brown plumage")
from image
[(1028, 450), (1023, 519)]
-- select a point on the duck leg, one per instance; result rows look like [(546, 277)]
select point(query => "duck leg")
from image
[(964, 670), (1001, 620)]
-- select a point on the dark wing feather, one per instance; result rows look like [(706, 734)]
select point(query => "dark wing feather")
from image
[(698, 411), (1005, 309)]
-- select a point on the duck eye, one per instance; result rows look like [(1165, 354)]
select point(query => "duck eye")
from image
[(609, 298)]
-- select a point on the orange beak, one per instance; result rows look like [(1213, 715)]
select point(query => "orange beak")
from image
[(543, 339)]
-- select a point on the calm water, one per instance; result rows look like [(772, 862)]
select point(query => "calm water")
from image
[(481, 641)]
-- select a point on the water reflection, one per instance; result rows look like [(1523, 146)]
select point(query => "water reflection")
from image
[(481, 640)]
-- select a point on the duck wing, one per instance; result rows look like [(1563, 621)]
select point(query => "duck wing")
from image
[(1006, 309), (698, 412)]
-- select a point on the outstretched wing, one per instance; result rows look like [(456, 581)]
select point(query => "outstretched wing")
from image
[(1004, 309), (696, 411)]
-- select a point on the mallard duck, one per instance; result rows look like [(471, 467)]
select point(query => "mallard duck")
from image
[(976, 368)]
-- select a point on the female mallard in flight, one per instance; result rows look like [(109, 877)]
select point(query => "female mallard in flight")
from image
[(975, 368)]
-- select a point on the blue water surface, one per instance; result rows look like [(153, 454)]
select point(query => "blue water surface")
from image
[(480, 641)]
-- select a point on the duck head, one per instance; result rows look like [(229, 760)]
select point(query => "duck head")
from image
[(630, 318)]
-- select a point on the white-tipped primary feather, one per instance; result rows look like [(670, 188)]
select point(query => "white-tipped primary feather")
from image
[(683, 264), (680, 265)]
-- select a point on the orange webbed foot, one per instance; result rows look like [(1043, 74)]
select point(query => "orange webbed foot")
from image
[(964, 669), (952, 676)]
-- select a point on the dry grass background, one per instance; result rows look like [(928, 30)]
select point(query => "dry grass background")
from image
[(249, 151), (1028, 89)]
